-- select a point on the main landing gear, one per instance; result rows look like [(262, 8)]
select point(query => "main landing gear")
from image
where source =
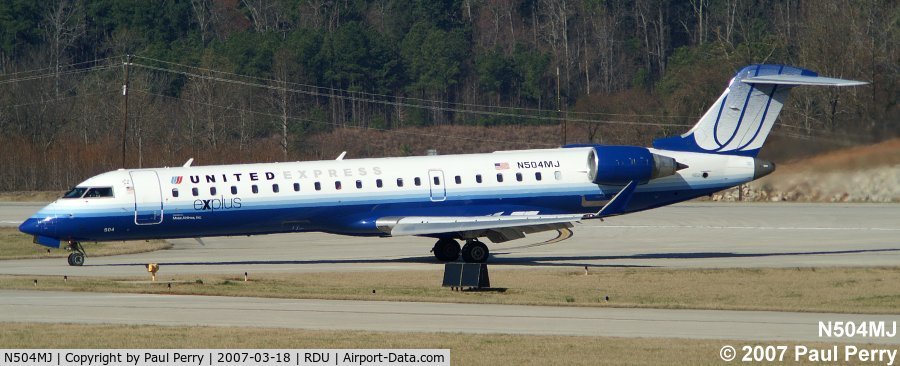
[(475, 252), (447, 250), (76, 258)]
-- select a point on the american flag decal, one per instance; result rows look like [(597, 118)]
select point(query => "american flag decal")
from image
[(501, 166), (176, 180)]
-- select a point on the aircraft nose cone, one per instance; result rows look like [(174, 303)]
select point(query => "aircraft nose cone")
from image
[(38, 226), (762, 168), (30, 227)]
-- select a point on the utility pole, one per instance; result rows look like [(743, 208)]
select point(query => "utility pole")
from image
[(559, 114), (566, 125), (125, 114)]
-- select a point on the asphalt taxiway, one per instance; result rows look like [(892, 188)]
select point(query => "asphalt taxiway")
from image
[(99, 308), (696, 235), (700, 235)]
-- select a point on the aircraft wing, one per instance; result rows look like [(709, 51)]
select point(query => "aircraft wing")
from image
[(497, 228)]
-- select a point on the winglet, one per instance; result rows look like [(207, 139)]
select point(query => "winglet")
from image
[(341, 157), (188, 163)]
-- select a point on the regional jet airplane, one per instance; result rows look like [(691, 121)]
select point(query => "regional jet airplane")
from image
[(501, 196)]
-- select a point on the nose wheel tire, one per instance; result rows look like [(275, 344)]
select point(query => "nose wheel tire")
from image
[(446, 250), (76, 259), (475, 252)]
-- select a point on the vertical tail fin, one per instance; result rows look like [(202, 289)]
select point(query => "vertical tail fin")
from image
[(740, 120)]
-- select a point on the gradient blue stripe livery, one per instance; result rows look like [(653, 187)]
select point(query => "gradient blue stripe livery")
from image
[(688, 142), (451, 197), (357, 219)]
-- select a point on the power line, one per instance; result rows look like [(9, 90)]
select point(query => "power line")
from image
[(52, 100), (359, 96), (146, 92), (59, 66), (329, 91), (402, 104), (57, 74)]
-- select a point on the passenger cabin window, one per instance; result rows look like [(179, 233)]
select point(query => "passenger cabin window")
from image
[(458, 179), (318, 186), (212, 191), (399, 182), (99, 192), (499, 177), (195, 192), (233, 189), (417, 181), (537, 175), (76, 192), (296, 187), (359, 184), (519, 177), (175, 192), (254, 189), (558, 175), (337, 185), (378, 183), (275, 188), (477, 178)]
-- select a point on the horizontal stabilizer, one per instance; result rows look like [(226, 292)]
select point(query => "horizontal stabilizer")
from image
[(786, 79)]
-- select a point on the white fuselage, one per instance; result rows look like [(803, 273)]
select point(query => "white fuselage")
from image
[(348, 196)]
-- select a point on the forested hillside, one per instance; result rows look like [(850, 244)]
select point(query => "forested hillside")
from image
[(272, 80)]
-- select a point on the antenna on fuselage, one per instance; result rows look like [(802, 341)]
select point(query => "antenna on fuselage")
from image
[(341, 157), (188, 163)]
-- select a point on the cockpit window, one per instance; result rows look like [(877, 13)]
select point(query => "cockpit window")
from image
[(76, 192), (96, 192)]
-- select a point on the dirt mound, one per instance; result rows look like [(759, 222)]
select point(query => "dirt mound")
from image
[(868, 173)]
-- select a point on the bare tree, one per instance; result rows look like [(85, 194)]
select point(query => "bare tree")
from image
[(203, 13), (282, 97), (64, 23), (555, 32), (266, 15)]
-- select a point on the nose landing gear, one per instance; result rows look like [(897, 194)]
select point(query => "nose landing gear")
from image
[(76, 258)]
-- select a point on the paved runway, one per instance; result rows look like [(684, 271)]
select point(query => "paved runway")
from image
[(700, 235), (684, 235), (96, 308), (13, 213)]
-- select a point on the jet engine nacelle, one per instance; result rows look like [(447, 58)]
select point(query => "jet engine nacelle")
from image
[(618, 165)]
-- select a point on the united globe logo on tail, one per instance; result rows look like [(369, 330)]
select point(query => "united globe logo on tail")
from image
[(741, 119)]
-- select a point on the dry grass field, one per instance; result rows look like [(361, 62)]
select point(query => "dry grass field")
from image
[(465, 349), (841, 290), (15, 245)]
